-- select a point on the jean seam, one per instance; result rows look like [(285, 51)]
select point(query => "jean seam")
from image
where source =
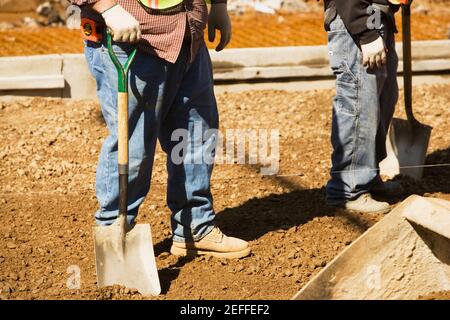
[(108, 158), (356, 131)]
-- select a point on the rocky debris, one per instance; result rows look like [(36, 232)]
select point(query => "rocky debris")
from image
[(30, 22), (6, 25), (272, 6), (37, 13), (48, 198), (52, 13), (420, 9), (445, 295)]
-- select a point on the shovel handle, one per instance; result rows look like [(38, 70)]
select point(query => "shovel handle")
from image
[(122, 120), (407, 65)]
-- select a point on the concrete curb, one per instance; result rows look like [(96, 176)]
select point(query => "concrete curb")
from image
[(67, 75)]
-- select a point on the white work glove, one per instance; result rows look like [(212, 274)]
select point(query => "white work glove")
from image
[(219, 19), (123, 26), (374, 53)]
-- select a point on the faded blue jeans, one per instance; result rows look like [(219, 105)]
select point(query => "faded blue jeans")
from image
[(362, 112), (163, 97)]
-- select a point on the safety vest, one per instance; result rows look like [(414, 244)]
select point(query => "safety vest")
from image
[(163, 4), (405, 2)]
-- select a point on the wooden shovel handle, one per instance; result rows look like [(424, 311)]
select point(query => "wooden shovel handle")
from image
[(122, 119), (407, 65)]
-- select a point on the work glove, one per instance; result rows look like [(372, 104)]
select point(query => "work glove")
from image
[(374, 53), (123, 26), (219, 19)]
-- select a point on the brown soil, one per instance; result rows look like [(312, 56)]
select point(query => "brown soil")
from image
[(49, 149), (437, 296), (249, 30)]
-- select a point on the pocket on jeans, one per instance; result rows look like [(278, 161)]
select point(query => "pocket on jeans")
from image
[(339, 54), (92, 57), (347, 98)]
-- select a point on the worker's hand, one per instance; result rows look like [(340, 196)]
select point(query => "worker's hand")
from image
[(219, 19), (374, 53), (123, 26)]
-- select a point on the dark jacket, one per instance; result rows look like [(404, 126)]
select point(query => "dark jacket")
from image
[(355, 15)]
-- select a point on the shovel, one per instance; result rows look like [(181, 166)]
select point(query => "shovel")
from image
[(408, 140), (123, 252)]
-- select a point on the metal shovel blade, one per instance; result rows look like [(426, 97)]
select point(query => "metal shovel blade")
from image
[(130, 263), (406, 148)]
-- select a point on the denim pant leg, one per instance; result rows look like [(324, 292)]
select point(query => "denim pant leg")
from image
[(192, 113), (356, 117), (146, 88)]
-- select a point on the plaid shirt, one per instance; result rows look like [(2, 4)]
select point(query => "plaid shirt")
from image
[(163, 33)]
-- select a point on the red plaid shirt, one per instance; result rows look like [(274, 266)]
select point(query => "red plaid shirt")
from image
[(163, 33)]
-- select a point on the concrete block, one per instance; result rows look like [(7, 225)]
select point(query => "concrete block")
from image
[(270, 57), (427, 50), (276, 72), (79, 83), (41, 65), (392, 260), (431, 214), (32, 82)]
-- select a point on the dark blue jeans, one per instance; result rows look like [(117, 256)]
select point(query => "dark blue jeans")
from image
[(163, 97), (362, 112)]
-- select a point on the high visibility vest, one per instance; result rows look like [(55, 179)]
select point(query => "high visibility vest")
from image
[(399, 1), (163, 4)]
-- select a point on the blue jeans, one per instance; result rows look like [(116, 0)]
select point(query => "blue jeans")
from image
[(362, 112), (163, 97)]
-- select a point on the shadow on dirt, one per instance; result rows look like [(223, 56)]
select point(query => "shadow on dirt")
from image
[(258, 216), (435, 179)]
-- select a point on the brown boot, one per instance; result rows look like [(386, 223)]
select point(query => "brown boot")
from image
[(214, 244)]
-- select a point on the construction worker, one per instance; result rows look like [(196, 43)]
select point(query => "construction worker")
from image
[(171, 88), (363, 58)]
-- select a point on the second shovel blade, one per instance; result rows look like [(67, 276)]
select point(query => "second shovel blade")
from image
[(406, 150)]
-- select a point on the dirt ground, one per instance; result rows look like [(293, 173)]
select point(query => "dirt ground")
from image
[(49, 149), (249, 30)]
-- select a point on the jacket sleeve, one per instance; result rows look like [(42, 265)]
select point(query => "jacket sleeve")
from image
[(355, 15)]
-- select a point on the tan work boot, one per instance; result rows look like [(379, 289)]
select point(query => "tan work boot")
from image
[(363, 204), (214, 244)]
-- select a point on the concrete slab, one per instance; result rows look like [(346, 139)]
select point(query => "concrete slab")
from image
[(392, 260), (32, 82), (431, 214), (79, 83), (292, 68), (31, 66)]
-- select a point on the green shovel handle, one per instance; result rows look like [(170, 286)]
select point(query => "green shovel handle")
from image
[(122, 71), (122, 119)]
